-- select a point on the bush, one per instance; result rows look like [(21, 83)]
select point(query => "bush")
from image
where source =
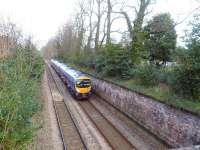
[(146, 74), (165, 74), (187, 76), (114, 61), (87, 60), (19, 88)]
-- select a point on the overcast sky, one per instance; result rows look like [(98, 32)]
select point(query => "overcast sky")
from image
[(42, 18)]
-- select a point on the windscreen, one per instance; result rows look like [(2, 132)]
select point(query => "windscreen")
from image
[(83, 83)]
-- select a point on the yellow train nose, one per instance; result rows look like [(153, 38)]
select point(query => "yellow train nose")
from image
[(83, 90)]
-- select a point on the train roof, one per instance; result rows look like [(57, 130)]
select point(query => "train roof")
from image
[(70, 71)]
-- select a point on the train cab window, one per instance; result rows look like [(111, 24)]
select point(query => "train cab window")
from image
[(83, 83)]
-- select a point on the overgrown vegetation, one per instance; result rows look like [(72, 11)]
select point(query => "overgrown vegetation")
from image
[(187, 75), (114, 61), (146, 59), (20, 76), (160, 42)]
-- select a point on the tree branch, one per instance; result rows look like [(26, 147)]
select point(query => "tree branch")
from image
[(130, 28), (136, 11), (186, 17)]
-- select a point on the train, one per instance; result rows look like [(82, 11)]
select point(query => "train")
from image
[(79, 84)]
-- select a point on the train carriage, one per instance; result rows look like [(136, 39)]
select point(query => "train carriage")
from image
[(78, 83)]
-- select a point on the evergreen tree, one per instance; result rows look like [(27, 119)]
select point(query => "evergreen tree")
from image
[(160, 39)]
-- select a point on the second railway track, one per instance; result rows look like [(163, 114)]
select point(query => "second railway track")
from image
[(69, 133)]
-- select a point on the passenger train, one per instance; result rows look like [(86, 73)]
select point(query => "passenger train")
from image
[(78, 83)]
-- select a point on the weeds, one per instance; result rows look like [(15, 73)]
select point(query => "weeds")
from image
[(19, 88)]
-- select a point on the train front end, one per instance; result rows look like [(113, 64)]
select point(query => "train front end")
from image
[(83, 88)]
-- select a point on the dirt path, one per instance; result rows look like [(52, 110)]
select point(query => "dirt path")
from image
[(48, 137)]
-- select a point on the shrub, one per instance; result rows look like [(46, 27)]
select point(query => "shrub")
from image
[(114, 61), (146, 74), (187, 76), (87, 60), (19, 98)]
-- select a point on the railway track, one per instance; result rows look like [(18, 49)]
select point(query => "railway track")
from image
[(69, 132), (134, 132), (115, 139), (109, 124)]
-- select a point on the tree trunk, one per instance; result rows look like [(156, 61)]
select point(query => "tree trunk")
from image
[(88, 46), (108, 40), (98, 26), (90, 35), (139, 19)]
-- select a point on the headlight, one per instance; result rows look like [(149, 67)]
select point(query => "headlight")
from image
[(78, 82)]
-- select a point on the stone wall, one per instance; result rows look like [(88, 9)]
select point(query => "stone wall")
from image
[(177, 128)]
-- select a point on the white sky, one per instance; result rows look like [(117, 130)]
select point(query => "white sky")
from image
[(42, 18)]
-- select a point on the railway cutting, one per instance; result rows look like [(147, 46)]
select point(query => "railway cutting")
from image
[(94, 124)]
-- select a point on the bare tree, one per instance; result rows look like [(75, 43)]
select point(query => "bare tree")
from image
[(91, 26), (100, 12), (80, 24), (12, 33), (141, 13), (93, 21), (188, 15), (109, 10), (98, 24), (136, 26), (49, 50), (104, 34)]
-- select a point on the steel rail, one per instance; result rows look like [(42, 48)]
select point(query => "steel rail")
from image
[(65, 146), (56, 112), (131, 119), (107, 121), (135, 121)]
